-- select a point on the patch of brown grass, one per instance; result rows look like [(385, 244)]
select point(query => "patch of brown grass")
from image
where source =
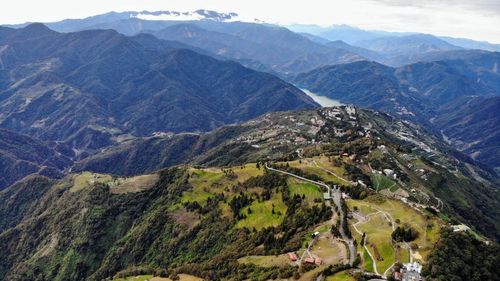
[(134, 184)]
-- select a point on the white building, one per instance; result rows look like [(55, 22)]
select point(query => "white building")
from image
[(411, 272), (388, 172)]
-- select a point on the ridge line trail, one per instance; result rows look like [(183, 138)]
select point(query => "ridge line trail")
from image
[(330, 172), (299, 153), (364, 241), (391, 220)]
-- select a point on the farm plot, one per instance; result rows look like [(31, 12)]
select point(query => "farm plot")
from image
[(133, 184)]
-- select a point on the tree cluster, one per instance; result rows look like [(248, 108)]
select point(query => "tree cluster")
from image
[(404, 233)]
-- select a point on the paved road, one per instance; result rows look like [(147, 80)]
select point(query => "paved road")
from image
[(299, 177), (337, 197)]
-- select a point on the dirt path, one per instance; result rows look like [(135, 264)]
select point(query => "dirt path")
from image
[(387, 270), (375, 269), (391, 220), (330, 172)]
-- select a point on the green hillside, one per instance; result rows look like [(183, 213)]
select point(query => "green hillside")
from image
[(236, 214)]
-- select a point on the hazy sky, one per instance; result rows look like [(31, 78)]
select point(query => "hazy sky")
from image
[(475, 19)]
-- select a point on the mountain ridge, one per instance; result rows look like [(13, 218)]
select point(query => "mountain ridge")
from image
[(77, 90), (420, 92)]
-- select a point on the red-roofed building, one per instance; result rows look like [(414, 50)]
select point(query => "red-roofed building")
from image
[(318, 261), (309, 260), (293, 256)]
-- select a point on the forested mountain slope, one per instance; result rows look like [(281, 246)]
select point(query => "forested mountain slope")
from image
[(21, 155), (91, 226), (278, 136), (422, 92), (92, 89)]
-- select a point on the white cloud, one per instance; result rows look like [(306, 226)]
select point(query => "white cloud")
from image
[(478, 19)]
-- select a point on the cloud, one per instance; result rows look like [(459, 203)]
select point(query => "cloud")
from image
[(485, 6), (475, 19)]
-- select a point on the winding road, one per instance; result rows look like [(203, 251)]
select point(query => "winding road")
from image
[(337, 197)]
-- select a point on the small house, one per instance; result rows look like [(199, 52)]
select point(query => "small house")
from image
[(293, 256), (460, 228), (309, 260), (388, 172)]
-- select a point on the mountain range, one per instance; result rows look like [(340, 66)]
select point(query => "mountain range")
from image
[(179, 145), (273, 48), (21, 155), (353, 35), (431, 72), (424, 92), (90, 89)]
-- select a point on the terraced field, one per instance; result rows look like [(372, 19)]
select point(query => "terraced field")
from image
[(368, 263), (322, 167), (381, 182), (85, 179), (134, 184), (329, 250)]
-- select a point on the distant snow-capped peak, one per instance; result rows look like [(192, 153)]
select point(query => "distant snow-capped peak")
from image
[(191, 16)]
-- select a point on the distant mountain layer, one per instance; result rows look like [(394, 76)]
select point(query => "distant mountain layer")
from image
[(423, 92), (401, 50), (261, 46), (143, 155), (86, 89), (353, 35), (272, 48), (277, 48)]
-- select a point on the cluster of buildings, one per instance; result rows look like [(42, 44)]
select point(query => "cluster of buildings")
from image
[(409, 272), (310, 260), (302, 129)]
